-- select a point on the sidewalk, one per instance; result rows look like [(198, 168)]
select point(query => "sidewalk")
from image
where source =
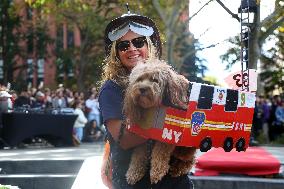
[(91, 154), (86, 150)]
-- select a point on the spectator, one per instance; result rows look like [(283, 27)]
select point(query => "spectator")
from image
[(59, 100), (70, 98), (48, 98), (257, 121), (265, 119), (4, 104), (13, 98), (39, 100), (279, 114), (80, 121), (22, 100), (94, 124), (92, 107), (276, 101)]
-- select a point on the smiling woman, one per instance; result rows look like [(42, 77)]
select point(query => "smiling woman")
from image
[(129, 39), (132, 49)]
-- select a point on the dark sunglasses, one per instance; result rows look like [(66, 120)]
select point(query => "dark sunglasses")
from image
[(138, 43)]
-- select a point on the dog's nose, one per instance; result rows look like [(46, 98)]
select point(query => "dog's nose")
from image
[(142, 90)]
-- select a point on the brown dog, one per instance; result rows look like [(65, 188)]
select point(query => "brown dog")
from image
[(152, 85)]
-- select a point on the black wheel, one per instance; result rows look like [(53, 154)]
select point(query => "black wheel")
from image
[(240, 145), (228, 144), (205, 144)]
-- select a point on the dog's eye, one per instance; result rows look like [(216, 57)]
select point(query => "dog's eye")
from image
[(139, 79), (154, 80)]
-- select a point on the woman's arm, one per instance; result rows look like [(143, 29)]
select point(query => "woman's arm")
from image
[(127, 139)]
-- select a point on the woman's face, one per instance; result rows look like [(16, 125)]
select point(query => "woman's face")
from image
[(130, 57)]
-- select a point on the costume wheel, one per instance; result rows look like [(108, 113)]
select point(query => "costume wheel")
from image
[(228, 144), (205, 144), (240, 145)]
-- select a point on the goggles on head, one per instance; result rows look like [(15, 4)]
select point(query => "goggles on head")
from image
[(133, 26)]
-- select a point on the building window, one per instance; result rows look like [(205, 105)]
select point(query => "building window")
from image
[(205, 97), (30, 70), (40, 70), (231, 100), (70, 39)]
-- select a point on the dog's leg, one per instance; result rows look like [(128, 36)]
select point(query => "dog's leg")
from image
[(138, 165), (180, 167), (183, 158), (160, 160)]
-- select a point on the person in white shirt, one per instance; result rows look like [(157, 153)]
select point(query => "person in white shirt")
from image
[(94, 114), (80, 121)]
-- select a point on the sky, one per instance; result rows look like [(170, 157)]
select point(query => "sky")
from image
[(214, 25)]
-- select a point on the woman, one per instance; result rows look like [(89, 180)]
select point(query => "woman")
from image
[(130, 39)]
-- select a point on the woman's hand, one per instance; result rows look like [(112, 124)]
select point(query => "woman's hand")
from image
[(127, 139)]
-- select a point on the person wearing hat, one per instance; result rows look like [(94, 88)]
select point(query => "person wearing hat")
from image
[(129, 40)]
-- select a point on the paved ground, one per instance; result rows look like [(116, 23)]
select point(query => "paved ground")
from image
[(84, 151), (92, 153)]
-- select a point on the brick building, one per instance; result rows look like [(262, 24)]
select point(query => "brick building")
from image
[(40, 67)]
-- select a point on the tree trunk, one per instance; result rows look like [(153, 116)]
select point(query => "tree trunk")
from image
[(255, 46)]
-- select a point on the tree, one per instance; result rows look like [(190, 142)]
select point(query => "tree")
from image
[(21, 39), (273, 64), (10, 23), (179, 45), (88, 18), (261, 30)]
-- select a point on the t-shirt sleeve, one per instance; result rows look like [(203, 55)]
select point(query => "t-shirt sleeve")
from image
[(110, 102)]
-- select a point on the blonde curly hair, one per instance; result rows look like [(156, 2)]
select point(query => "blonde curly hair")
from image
[(114, 70)]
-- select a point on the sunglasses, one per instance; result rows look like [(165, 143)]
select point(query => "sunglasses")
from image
[(138, 43)]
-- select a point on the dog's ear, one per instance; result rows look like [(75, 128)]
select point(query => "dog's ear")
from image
[(176, 91), (167, 96), (130, 109)]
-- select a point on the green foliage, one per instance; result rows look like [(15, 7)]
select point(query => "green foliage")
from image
[(262, 32), (90, 18), (179, 45), (10, 24), (211, 80), (273, 65), (83, 61), (232, 55)]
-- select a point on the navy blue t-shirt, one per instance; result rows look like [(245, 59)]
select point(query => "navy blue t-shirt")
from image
[(111, 104), (111, 101)]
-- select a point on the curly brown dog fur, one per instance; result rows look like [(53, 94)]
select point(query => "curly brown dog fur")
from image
[(152, 85)]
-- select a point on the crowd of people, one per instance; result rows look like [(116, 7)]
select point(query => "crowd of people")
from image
[(88, 126), (268, 119)]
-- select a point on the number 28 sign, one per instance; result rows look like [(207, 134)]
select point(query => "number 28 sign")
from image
[(235, 80)]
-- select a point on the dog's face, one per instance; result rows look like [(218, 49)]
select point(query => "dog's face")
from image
[(147, 90), (149, 85)]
